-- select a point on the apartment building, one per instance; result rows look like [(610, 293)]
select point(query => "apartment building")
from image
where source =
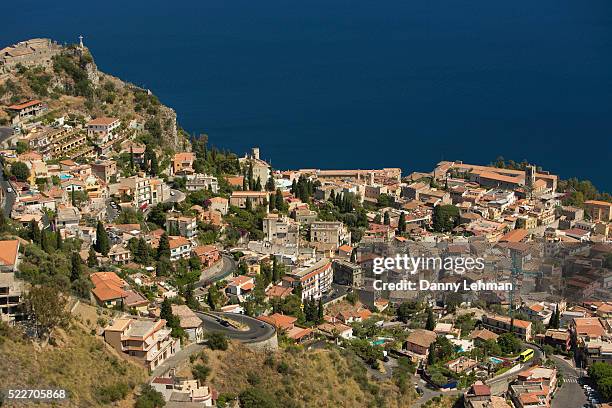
[(315, 280), (180, 247), (182, 225), (281, 230), (182, 163), (347, 273), (142, 191), (239, 198), (103, 130), (330, 232), (598, 210), (11, 298), (502, 324), (198, 181), (146, 340)]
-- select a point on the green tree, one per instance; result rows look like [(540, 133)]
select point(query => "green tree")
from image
[(102, 241), (20, 170), (59, 244), (270, 184), (445, 218), (279, 203), (200, 372), (401, 225), (47, 306), (387, 219), (256, 397), (509, 343), (76, 269), (149, 398), (431, 356), (217, 341), (35, 234), (92, 259), (163, 250), (166, 310), (430, 324)]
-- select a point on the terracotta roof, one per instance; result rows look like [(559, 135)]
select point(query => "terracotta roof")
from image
[(176, 242), (483, 334), (422, 338), (517, 235), (24, 105), (481, 389), (589, 326), (278, 291), (8, 252), (280, 321), (104, 121)]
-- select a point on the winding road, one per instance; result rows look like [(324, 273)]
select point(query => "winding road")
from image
[(217, 272), (257, 330)]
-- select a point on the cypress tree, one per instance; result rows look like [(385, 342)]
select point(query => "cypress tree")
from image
[(102, 241), (163, 250), (92, 260), (270, 184), (431, 322), (59, 244), (249, 204), (76, 267), (258, 184), (401, 225), (166, 310), (44, 242), (272, 202), (34, 232), (387, 219), (278, 198), (431, 357)]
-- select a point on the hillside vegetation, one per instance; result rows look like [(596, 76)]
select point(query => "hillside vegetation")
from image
[(76, 361), (74, 85), (294, 377)]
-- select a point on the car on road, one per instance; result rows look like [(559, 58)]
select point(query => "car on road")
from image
[(9, 190), (224, 323), (172, 193)]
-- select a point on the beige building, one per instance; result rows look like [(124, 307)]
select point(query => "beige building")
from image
[(219, 204), (330, 232), (103, 130), (280, 229), (146, 340), (239, 198), (598, 210), (502, 324)]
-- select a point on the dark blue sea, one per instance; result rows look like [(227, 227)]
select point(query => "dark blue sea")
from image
[(362, 83)]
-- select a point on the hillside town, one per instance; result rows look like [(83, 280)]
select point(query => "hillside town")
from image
[(162, 246)]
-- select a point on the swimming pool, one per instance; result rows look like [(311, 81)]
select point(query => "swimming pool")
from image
[(496, 360)]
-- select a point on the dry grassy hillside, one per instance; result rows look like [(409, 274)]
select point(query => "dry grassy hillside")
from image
[(297, 378), (77, 362)]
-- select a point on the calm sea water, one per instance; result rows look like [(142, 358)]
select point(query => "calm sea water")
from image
[(363, 83)]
